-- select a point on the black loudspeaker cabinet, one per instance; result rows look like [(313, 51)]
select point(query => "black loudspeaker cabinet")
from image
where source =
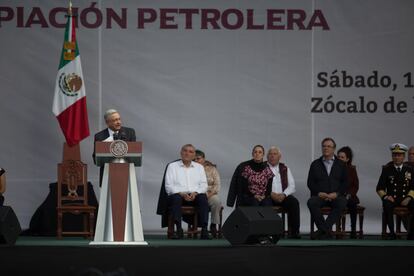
[(9, 226), (246, 225)]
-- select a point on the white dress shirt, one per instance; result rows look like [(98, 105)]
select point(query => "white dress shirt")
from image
[(398, 168), (328, 164), (182, 179), (110, 137), (277, 182)]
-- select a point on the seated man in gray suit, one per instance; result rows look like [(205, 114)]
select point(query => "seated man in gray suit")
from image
[(328, 183), (114, 131)]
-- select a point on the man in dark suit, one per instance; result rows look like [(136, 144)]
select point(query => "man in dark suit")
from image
[(328, 183), (114, 131), (396, 188)]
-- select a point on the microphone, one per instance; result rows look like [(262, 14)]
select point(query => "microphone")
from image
[(116, 136), (122, 136)]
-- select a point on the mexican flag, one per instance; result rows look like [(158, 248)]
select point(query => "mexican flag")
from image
[(69, 103)]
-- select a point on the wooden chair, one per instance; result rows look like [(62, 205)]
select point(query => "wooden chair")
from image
[(285, 219), (360, 219), (339, 234), (72, 197), (219, 231), (191, 229), (400, 213)]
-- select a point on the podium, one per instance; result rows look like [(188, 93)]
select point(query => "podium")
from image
[(119, 215)]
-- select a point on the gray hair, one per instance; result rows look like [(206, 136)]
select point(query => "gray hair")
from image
[(108, 113), (187, 146), (274, 148)]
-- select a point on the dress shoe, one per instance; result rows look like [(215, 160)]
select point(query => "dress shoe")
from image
[(315, 235), (265, 240), (178, 235), (213, 230), (391, 236), (323, 235), (327, 236), (318, 234), (295, 236), (353, 235), (204, 234)]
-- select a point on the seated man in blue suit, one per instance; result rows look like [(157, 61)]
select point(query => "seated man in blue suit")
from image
[(328, 183)]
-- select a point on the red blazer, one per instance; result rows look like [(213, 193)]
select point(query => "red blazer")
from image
[(353, 182)]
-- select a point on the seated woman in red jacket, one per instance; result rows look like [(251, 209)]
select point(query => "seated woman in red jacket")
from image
[(251, 184), (345, 154)]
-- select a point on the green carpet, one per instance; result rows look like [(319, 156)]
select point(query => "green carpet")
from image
[(161, 241)]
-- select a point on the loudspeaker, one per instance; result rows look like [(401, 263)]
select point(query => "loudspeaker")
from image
[(9, 226), (246, 225)]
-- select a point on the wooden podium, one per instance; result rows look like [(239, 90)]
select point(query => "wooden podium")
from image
[(119, 215)]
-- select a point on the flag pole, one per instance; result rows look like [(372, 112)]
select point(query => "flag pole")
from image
[(70, 8)]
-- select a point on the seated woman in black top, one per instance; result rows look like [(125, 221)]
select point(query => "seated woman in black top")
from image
[(251, 184)]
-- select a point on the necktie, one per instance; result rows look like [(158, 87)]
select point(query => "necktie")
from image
[(399, 169)]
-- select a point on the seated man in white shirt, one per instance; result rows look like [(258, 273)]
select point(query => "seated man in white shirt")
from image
[(283, 187), (186, 184)]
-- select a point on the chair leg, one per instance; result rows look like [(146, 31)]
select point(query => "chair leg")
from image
[(398, 225), (343, 223), (312, 229), (195, 226), (220, 234), (91, 225), (86, 224), (59, 225), (170, 230), (361, 225), (190, 231)]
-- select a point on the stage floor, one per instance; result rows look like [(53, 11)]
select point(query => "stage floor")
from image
[(73, 256), (161, 240)]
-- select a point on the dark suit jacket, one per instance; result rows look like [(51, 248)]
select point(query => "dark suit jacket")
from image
[(162, 206), (126, 133), (320, 181)]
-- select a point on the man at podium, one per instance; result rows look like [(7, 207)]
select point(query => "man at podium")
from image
[(114, 131)]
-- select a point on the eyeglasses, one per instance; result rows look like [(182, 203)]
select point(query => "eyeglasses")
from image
[(327, 146)]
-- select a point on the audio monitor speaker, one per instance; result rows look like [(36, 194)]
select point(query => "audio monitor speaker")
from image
[(246, 225), (9, 226)]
